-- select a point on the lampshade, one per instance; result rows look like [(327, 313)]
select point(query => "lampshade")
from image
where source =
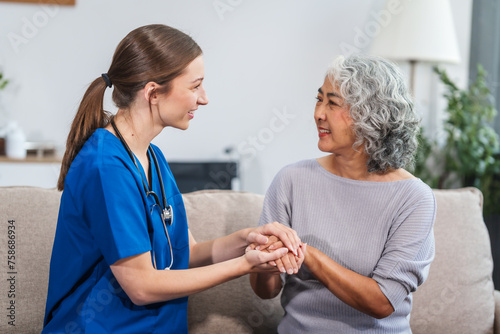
[(420, 30)]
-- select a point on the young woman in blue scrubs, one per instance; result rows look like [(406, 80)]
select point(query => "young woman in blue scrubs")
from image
[(118, 265)]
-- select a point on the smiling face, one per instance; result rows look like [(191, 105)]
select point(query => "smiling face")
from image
[(177, 108), (333, 121)]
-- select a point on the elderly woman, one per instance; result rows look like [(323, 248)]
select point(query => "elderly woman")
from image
[(367, 222)]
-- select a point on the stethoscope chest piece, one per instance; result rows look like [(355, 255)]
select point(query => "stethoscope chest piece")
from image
[(167, 215)]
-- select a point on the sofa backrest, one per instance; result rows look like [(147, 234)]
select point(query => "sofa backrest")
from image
[(456, 298), (231, 307), (28, 218), (458, 294)]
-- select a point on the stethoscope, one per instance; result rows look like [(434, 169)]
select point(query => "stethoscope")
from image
[(166, 212)]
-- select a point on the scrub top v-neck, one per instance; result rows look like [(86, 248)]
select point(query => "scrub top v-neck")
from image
[(106, 216)]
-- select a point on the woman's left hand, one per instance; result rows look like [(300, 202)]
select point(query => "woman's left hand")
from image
[(289, 263), (288, 237)]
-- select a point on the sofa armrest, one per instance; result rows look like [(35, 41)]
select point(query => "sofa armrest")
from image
[(496, 329)]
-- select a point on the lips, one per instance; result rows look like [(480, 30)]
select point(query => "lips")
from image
[(191, 114), (323, 132)]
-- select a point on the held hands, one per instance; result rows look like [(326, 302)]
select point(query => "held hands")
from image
[(279, 245), (288, 263), (289, 238)]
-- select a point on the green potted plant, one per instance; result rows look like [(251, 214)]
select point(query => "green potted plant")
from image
[(470, 154)]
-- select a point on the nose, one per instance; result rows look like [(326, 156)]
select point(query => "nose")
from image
[(319, 113), (202, 98)]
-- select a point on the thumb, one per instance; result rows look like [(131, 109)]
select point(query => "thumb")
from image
[(277, 254), (254, 237)]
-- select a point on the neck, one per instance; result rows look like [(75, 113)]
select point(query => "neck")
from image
[(137, 131), (350, 167)]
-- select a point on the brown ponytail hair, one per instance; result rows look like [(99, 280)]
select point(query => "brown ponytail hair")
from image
[(152, 53)]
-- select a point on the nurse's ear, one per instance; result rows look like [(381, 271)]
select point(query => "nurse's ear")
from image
[(150, 92)]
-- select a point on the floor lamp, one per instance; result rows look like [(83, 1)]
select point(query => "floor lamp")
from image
[(416, 31)]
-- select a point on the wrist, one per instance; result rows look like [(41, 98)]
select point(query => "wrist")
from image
[(310, 257), (243, 266)]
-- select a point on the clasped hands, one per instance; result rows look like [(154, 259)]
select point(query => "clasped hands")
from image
[(276, 237)]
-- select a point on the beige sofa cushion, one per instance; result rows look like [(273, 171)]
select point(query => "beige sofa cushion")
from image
[(34, 215), (231, 307), (458, 295)]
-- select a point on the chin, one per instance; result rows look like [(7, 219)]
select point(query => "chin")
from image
[(323, 149), (181, 126)]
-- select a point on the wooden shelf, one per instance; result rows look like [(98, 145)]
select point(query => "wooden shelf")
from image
[(53, 2), (32, 159)]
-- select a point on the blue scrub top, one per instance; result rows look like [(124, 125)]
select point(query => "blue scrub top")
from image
[(105, 216)]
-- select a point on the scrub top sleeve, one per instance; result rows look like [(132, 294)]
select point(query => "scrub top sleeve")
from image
[(116, 213)]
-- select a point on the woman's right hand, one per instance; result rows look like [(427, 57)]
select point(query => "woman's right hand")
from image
[(259, 261)]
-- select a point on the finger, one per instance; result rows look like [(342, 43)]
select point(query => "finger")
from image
[(273, 256), (297, 262), (271, 239), (304, 249), (301, 258), (250, 247), (301, 253), (280, 265), (288, 236), (256, 237), (272, 263), (276, 245), (289, 263)]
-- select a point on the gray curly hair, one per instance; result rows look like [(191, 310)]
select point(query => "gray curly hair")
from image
[(384, 119)]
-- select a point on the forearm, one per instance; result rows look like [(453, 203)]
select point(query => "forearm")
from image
[(358, 291), (264, 285), (218, 250), (145, 285)]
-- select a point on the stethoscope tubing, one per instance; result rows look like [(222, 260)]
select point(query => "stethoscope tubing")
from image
[(166, 212)]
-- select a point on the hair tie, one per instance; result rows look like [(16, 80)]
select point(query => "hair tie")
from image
[(107, 80)]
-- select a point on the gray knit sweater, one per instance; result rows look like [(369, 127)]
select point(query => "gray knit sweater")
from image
[(383, 230)]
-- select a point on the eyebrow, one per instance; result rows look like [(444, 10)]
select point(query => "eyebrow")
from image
[(329, 94), (198, 79)]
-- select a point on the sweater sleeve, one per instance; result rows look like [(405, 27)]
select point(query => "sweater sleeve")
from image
[(409, 250), (277, 202)]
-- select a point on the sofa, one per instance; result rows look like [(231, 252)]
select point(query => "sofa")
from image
[(458, 297)]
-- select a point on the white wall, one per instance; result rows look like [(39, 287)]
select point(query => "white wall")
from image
[(264, 61)]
